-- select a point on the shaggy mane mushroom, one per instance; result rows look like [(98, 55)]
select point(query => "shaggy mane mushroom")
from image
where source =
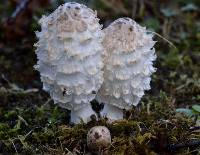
[(128, 64), (69, 58)]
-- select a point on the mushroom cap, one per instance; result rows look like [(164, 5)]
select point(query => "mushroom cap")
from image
[(98, 137), (128, 63), (69, 55)]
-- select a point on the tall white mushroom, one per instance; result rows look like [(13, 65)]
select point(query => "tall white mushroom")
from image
[(128, 65), (69, 57)]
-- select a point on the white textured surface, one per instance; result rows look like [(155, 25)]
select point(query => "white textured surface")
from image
[(69, 56), (112, 112), (83, 114), (128, 65)]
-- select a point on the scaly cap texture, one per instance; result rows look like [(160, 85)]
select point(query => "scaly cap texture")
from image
[(69, 57), (128, 66)]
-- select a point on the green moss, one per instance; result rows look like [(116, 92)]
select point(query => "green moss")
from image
[(147, 126)]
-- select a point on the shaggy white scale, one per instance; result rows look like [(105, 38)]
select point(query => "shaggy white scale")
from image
[(77, 59), (69, 53), (128, 64)]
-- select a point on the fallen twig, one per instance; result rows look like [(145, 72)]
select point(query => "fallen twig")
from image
[(169, 42), (22, 6), (23, 120), (194, 128), (14, 147), (191, 143)]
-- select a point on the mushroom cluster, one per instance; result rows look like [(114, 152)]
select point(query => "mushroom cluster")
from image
[(78, 61)]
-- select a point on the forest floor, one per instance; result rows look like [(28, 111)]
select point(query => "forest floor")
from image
[(166, 121)]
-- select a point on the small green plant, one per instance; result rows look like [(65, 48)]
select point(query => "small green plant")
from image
[(194, 112)]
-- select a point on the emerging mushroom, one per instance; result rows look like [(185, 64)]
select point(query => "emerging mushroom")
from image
[(69, 58), (98, 138), (128, 65)]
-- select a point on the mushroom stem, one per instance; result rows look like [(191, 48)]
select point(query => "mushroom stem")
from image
[(112, 112), (82, 114)]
